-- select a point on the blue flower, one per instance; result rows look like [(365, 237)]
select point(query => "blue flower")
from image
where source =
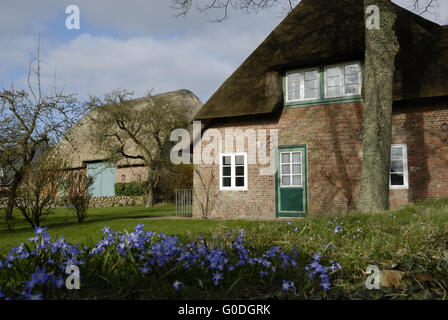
[(38, 231), (337, 229), (59, 282), (145, 270), (216, 277), (263, 273), (287, 285), (177, 285)]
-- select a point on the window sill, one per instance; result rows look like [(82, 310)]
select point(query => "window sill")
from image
[(398, 187), (233, 189), (354, 98)]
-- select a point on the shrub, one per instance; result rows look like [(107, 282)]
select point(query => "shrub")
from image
[(131, 189), (76, 192), (39, 187)]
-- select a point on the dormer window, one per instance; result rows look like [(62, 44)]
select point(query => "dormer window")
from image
[(303, 85), (342, 80), (325, 84)]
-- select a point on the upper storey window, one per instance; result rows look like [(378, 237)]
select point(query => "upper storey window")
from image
[(303, 85), (323, 84), (343, 80)]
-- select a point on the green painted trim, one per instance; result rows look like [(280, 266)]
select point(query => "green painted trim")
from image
[(322, 100), (305, 185)]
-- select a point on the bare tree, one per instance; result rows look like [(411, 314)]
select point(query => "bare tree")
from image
[(75, 192), (208, 195), (132, 130), (39, 187), (381, 48), (30, 118)]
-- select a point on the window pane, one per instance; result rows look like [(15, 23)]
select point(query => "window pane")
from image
[(286, 181), (332, 72), (239, 160), (297, 180), (226, 171), (227, 160), (239, 170), (311, 93), (352, 68), (352, 78), (396, 179), (285, 157), (396, 166), (296, 169), (294, 77), (286, 169), (310, 84), (239, 181), (333, 82), (311, 75), (351, 89), (296, 157), (396, 153), (226, 182), (333, 92), (293, 95), (294, 86)]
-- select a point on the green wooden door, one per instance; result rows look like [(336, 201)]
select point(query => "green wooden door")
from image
[(291, 180)]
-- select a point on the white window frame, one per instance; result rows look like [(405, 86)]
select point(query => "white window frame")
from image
[(342, 80), (405, 168), (232, 171), (291, 174), (302, 84)]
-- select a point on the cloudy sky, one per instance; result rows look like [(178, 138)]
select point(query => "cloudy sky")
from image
[(134, 44)]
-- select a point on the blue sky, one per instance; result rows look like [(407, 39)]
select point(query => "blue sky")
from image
[(139, 45)]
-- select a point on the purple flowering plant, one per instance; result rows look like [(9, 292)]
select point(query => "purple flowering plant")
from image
[(146, 264)]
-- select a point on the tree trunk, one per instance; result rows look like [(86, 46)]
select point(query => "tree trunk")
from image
[(11, 202), (381, 49), (150, 198)]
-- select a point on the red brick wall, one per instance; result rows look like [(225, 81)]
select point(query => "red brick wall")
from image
[(131, 174), (332, 134)]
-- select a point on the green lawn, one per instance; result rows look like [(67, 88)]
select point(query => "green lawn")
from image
[(63, 223)]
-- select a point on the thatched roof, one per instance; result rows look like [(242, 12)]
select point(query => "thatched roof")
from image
[(81, 149), (319, 32)]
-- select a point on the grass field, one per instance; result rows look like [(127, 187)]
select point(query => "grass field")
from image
[(412, 241)]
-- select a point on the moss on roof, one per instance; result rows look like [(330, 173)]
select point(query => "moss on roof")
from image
[(319, 32)]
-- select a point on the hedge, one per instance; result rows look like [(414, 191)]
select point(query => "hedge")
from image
[(131, 189)]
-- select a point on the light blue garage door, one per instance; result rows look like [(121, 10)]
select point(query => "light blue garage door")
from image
[(103, 174)]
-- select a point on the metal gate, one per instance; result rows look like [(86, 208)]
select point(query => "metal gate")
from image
[(184, 202)]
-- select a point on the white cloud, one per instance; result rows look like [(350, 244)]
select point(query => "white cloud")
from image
[(94, 65), (150, 47)]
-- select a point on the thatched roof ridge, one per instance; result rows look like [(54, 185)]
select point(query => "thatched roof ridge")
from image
[(81, 150), (319, 32)]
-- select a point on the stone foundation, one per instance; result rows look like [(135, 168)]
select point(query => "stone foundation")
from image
[(103, 202)]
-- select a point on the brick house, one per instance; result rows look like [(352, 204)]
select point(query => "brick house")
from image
[(304, 83), (83, 154)]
